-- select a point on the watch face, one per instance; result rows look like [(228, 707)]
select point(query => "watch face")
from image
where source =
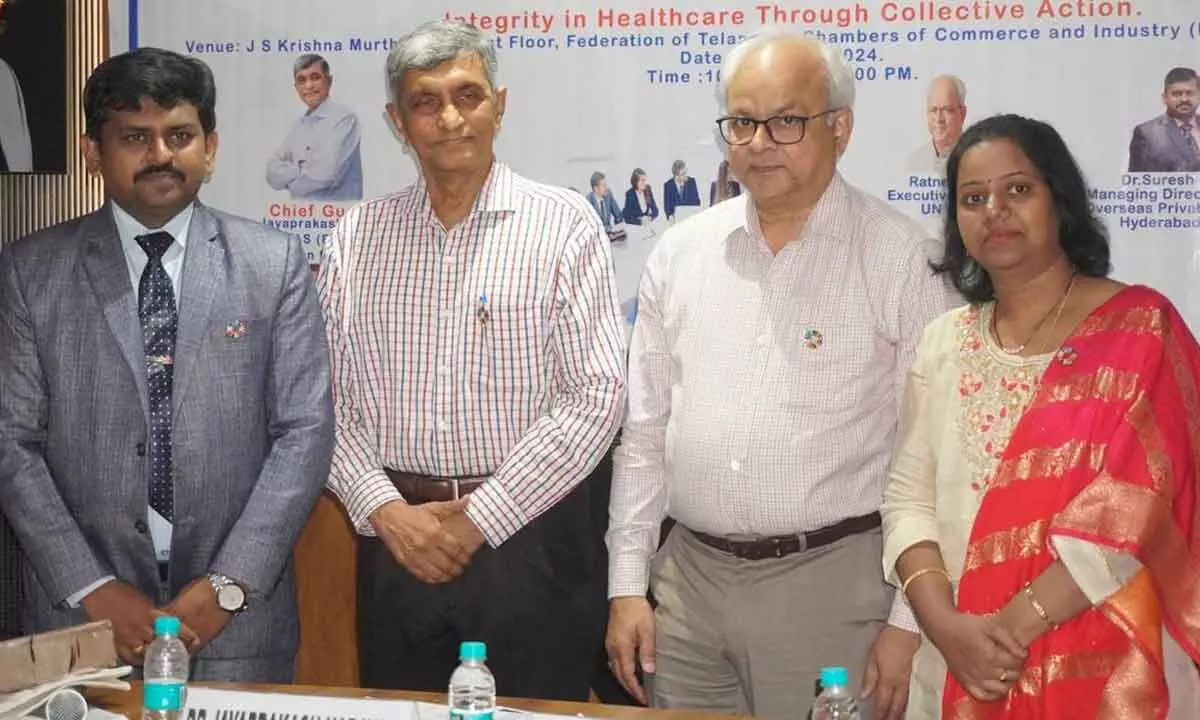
[(231, 598)]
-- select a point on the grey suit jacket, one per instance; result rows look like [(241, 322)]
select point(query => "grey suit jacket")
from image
[(1158, 146), (252, 424)]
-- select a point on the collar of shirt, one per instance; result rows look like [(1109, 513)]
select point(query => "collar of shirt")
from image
[(827, 219), (128, 229), (496, 196), (327, 110), (1190, 122)]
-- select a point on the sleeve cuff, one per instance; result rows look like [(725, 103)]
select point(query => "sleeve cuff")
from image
[(76, 599), (628, 576), (365, 496), (1098, 571), (902, 615), (495, 513)]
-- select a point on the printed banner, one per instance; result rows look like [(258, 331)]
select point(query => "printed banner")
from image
[(617, 88)]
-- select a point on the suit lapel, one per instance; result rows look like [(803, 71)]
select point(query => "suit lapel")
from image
[(203, 273), (108, 272)]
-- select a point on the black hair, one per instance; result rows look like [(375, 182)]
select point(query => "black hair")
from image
[(1179, 75), (1080, 233), (167, 78)]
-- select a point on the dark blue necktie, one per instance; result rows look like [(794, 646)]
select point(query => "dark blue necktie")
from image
[(156, 308), (1188, 138)]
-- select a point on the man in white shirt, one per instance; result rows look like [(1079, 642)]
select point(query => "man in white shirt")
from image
[(773, 335), (945, 114), (478, 382), (320, 158)]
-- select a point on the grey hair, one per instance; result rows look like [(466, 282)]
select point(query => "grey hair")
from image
[(434, 42), (304, 61), (960, 88), (677, 166), (597, 177), (839, 76)]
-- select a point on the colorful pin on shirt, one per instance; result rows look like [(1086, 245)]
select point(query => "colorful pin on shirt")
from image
[(1068, 355), (233, 331), (813, 339)]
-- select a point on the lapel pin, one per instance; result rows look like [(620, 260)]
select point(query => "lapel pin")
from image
[(813, 339), (236, 330), (1068, 355)]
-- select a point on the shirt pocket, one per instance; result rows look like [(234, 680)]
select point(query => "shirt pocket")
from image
[(824, 366), (513, 348)]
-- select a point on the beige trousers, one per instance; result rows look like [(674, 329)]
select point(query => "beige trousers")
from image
[(749, 637)]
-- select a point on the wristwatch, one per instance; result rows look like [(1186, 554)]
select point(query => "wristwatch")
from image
[(231, 597)]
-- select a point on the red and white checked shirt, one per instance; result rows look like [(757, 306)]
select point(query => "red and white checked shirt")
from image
[(495, 348), (764, 389)]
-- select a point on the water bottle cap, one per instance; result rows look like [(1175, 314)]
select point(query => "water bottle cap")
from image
[(166, 625), (472, 651), (831, 676)]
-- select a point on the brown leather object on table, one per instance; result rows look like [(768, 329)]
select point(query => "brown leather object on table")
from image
[(29, 661)]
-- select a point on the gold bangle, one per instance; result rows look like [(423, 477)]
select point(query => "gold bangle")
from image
[(919, 573), (1037, 606)]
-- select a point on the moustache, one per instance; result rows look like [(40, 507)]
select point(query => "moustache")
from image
[(158, 170)]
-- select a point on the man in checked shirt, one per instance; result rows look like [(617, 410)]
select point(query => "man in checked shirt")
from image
[(773, 336), (477, 356)]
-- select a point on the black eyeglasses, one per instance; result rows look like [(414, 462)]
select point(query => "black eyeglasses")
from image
[(782, 129)]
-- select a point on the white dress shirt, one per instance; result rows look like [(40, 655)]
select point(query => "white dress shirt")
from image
[(129, 229), (764, 389), (494, 348)]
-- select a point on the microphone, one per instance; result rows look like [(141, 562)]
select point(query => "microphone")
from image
[(66, 704)]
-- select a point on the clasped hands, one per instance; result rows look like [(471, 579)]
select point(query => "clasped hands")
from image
[(433, 541), (132, 615), (985, 653)]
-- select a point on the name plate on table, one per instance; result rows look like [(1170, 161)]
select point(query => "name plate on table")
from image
[(207, 704)]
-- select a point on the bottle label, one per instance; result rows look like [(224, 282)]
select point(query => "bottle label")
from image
[(470, 714), (164, 696)]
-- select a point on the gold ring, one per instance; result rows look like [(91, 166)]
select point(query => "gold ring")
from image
[(1004, 675)]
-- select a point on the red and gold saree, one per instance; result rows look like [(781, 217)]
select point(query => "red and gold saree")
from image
[(1107, 451)]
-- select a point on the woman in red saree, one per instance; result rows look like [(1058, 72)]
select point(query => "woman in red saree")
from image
[(1041, 514)]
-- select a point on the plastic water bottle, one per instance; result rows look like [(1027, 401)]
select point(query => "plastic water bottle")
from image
[(165, 673), (835, 702), (472, 687)]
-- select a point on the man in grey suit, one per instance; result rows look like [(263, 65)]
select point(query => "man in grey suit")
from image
[(1170, 142), (160, 456)]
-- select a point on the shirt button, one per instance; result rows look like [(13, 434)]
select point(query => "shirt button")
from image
[(141, 449), (443, 426), (443, 370), (141, 527), (447, 314), (764, 339), (735, 465)]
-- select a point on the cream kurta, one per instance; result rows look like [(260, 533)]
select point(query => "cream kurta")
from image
[(963, 399)]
